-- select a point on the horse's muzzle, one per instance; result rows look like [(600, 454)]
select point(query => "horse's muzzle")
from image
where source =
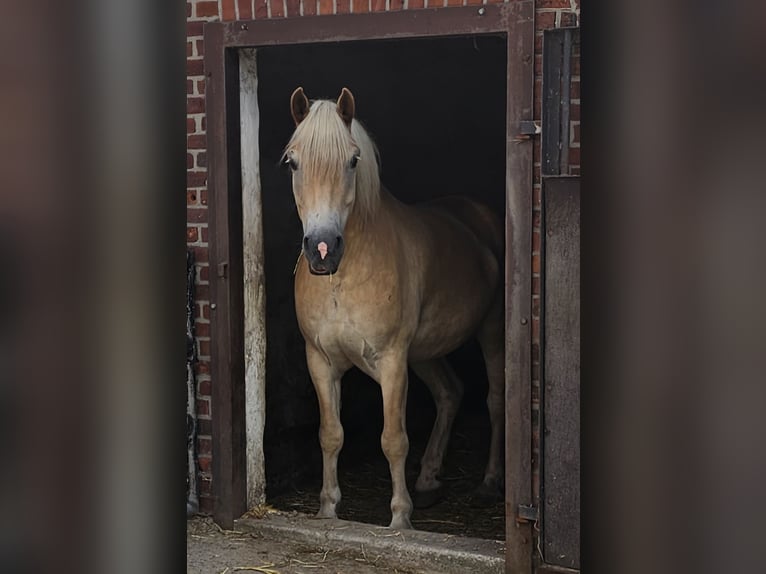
[(323, 253)]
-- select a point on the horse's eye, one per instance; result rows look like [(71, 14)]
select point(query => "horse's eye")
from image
[(291, 162), (354, 161)]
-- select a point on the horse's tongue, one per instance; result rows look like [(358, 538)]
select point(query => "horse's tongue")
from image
[(322, 248)]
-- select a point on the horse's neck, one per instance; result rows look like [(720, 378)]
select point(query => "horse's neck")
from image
[(363, 237)]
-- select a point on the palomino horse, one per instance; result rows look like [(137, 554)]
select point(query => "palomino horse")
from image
[(384, 285)]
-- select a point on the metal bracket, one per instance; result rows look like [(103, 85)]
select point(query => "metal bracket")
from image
[(527, 129), (527, 513)]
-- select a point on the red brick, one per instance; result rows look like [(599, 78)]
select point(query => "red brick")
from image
[(206, 9), (536, 285), (536, 337), (378, 5), (202, 329), (538, 64), (201, 255), (361, 6), (191, 198), (203, 407), (194, 28), (310, 7), (574, 156), (201, 87), (204, 462), (189, 87), (574, 112), (474, 2), (454, 2), (325, 7), (536, 353), (262, 8), (204, 123), (196, 178), (195, 67), (203, 200), (204, 348), (189, 161), (189, 49), (205, 486), (204, 388), (191, 126), (204, 426), (196, 141), (574, 90), (293, 7), (536, 241), (568, 20), (551, 4), (204, 445), (203, 311), (203, 292), (535, 264), (195, 105), (535, 306), (545, 20), (576, 133), (196, 215), (535, 219), (538, 43), (277, 9), (574, 170), (188, 9), (245, 9), (536, 196), (200, 44), (227, 10), (342, 6), (192, 234), (205, 234), (202, 159), (496, 1), (204, 274)]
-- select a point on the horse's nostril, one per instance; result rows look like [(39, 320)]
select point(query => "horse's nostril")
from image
[(338, 241), (306, 242)]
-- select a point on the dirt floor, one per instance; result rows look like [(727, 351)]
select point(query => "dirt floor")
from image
[(366, 486), (210, 550)]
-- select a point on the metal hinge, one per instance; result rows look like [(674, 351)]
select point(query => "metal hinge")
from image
[(527, 129), (527, 513)]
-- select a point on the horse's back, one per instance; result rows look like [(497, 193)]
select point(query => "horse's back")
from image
[(485, 224)]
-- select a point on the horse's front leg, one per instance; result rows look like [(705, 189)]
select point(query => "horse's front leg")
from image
[(326, 378), (393, 383)]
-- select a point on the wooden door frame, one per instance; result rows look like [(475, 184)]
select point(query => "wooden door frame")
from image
[(513, 20)]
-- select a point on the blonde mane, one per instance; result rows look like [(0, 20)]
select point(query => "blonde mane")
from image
[(323, 141)]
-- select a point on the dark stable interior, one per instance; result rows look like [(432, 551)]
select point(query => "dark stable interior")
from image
[(436, 109)]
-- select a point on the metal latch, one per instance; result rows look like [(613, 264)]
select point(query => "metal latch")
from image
[(527, 513), (222, 269), (527, 129)]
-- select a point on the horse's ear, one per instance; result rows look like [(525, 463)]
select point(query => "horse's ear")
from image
[(299, 105), (345, 106)]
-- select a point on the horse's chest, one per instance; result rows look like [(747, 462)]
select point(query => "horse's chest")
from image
[(359, 324)]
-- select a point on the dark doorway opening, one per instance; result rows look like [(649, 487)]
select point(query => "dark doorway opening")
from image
[(437, 110)]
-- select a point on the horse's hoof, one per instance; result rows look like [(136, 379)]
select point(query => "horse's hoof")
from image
[(427, 498), (324, 515), (401, 524), (486, 496)]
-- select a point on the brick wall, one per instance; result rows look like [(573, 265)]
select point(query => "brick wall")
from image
[(549, 14)]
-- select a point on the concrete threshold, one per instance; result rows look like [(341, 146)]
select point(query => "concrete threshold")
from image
[(410, 550)]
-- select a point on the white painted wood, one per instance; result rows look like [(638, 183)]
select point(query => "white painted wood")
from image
[(255, 294)]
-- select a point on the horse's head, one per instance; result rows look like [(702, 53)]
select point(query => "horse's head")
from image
[(323, 156)]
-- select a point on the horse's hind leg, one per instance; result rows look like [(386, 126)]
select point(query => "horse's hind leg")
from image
[(447, 391), (491, 338), (326, 379)]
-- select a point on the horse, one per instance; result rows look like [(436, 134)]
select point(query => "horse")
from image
[(382, 285)]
